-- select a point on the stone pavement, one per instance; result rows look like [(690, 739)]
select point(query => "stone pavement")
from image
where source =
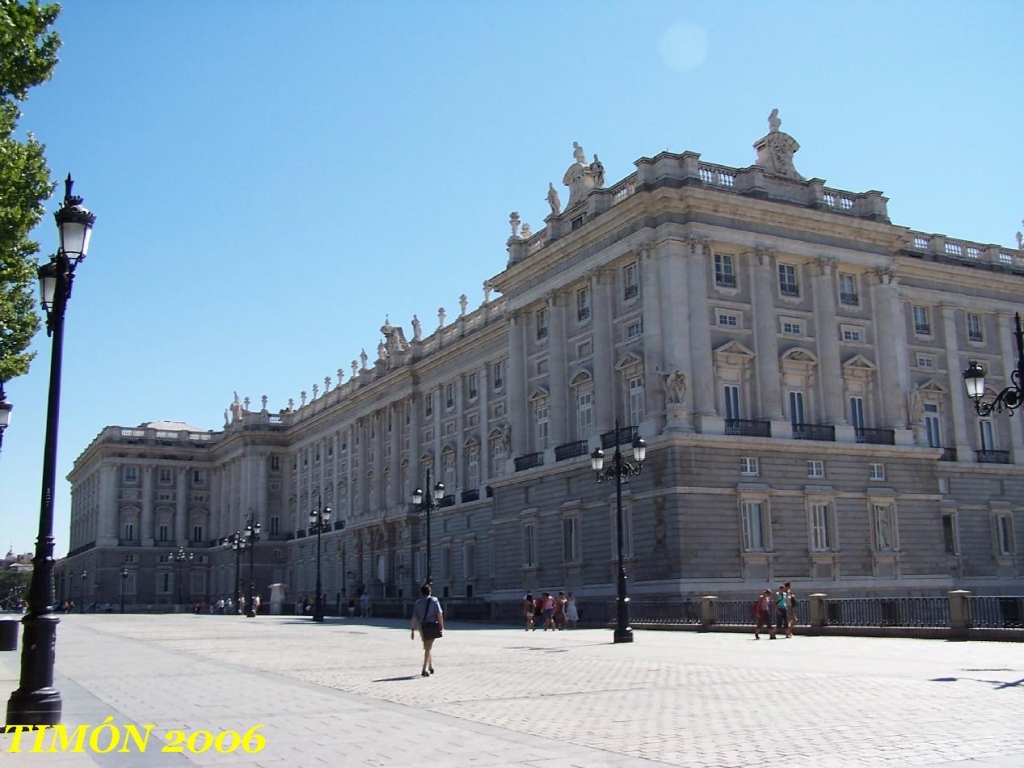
[(348, 693)]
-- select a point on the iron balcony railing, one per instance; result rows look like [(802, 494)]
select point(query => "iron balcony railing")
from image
[(626, 436), (876, 436), (820, 432), (571, 450), (748, 427), (470, 495), (993, 457), (529, 461), (948, 454)]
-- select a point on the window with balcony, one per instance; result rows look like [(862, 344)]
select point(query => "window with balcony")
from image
[(498, 375), (922, 320), (788, 285), (630, 281), (572, 545), (848, 290), (583, 304), (725, 271), (975, 328), (529, 545), (540, 318)]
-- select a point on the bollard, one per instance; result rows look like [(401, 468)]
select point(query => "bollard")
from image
[(959, 611), (819, 617), (8, 635), (708, 611)]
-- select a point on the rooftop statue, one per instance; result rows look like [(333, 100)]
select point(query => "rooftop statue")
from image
[(553, 200), (774, 123), (775, 150)]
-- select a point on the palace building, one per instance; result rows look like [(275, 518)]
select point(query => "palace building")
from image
[(791, 357)]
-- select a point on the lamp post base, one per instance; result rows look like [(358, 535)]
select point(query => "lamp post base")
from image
[(318, 617), (36, 702), (42, 707), (623, 635)]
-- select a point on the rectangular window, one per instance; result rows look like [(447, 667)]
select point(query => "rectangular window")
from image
[(725, 271), (541, 421), (165, 583), (885, 527), (448, 471), (816, 469), (932, 427), (796, 408), (275, 463), (163, 532), (473, 467), (974, 327), (275, 525), (821, 534), (731, 400), (468, 561), (449, 396), (634, 329), (630, 281), (987, 440), (922, 325), (583, 304), (637, 410), (529, 545), (584, 415), (498, 375), (165, 477), (852, 334), (926, 362), (793, 327), (749, 466), (473, 390), (848, 290), (727, 319), (129, 531), (131, 474), (131, 584), (541, 321), (753, 527), (584, 350), (949, 534), (571, 531), (199, 477), (876, 471), (857, 412), (428, 404), (788, 285), (197, 534)]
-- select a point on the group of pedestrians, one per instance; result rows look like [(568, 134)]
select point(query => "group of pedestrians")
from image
[(549, 611), (775, 611)]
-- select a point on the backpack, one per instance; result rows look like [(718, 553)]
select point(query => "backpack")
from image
[(753, 607)]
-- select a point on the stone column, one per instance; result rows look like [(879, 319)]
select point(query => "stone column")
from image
[(700, 327), (262, 502), (606, 385), (397, 420), (673, 300), (955, 383), (826, 332), (181, 531), (351, 497), (557, 369), (147, 506), (415, 436), (484, 391), (376, 502), (109, 533), (650, 306), (217, 527), (1008, 347), (891, 325), (766, 345), (517, 407)]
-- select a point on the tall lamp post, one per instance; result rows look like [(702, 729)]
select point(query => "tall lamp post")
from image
[(81, 593), (36, 701), (1011, 397), (319, 520), (620, 470), (5, 413), (427, 503), (124, 581), (237, 544), (252, 535), (181, 557)]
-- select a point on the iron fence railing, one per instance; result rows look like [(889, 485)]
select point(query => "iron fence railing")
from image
[(887, 612), (996, 612), (648, 612)]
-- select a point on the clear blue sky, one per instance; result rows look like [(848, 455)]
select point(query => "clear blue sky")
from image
[(271, 179)]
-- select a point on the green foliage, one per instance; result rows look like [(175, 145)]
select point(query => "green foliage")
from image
[(28, 55), (14, 584)]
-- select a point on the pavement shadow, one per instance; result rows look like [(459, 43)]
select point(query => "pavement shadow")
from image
[(997, 685), (395, 679)]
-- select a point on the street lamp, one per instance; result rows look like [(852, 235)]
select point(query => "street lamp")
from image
[(620, 470), (37, 702), (5, 413), (427, 503), (252, 535), (124, 581), (181, 557), (319, 520), (237, 544), (1011, 397), (81, 596)]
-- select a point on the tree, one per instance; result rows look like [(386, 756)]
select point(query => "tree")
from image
[(28, 55)]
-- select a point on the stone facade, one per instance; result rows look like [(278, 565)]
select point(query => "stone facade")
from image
[(792, 358)]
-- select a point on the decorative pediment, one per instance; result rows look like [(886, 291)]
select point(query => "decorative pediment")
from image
[(448, 449), (933, 387), (628, 360), (538, 393), (799, 355), (581, 379), (494, 433), (859, 367), (471, 441), (129, 509), (733, 350)]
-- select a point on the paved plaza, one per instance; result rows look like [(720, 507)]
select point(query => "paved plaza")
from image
[(349, 693)]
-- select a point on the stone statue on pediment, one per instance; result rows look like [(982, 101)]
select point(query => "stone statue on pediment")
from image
[(417, 329), (597, 168), (579, 178), (513, 220), (553, 199), (775, 150), (363, 357), (674, 384)]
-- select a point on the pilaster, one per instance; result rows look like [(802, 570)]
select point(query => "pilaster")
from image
[(604, 346), (557, 369), (955, 384), (831, 377), (700, 326), (181, 532), (766, 345), (1008, 349), (147, 506)]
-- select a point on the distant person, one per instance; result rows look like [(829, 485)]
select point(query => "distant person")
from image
[(782, 612), (428, 617), (364, 604), (529, 608), (763, 614), (572, 613), (791, 608), (559, 617)]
